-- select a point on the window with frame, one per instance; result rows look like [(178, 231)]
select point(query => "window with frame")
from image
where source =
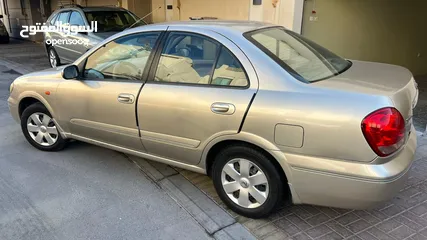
[(195, 59), (62, 18), (124, 58), (76, 19)]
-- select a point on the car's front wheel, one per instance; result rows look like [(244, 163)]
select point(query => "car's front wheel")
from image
[(53, 57), (40, 130), (247, 181)]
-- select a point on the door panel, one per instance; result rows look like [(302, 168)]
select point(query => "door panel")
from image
[(101, 106), (180, 110), (176, 121), (91, 109)]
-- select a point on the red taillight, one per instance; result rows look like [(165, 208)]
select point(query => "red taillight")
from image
[(384, 130)]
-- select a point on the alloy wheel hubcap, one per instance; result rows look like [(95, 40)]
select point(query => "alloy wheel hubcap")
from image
[(245, 183), (42, 129), (52, 58)]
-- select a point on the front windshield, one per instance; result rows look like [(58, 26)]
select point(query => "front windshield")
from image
[(111, 21), (304, 59)]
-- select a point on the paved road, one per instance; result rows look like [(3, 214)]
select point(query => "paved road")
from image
[(84, 192)]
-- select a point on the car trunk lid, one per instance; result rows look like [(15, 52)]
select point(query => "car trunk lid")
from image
[(395, 82)]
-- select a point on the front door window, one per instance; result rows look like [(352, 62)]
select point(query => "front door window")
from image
[(122, 59)]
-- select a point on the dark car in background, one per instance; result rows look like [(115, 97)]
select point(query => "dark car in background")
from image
[(110, 20), (4, 35)]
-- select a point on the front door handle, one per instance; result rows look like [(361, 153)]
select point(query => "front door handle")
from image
[(223, 108), (126, 98)]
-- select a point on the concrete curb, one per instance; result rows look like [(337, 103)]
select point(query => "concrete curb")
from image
[(215, 220)]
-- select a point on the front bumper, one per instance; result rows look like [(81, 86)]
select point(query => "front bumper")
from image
[(13, 108), (348, 184)]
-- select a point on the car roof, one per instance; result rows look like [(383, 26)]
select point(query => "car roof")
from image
[(220, 26), (94, 9)]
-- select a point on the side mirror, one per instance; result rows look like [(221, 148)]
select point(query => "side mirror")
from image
[(70, 72)]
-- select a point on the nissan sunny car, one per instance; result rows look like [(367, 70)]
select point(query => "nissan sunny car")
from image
[(271, 116)]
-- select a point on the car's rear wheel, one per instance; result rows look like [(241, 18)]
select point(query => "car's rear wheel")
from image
[(247, 181), (40, 130), (53, 57)]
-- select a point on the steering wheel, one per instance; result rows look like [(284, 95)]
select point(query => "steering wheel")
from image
[(125, 70)]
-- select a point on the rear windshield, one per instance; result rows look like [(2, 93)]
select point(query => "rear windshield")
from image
[(111, 21), (304, 59)]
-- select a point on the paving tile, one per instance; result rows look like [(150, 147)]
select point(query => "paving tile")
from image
[(265, 230), (255, 223), (379, 234), (302, 212), (301, 236), (277, 236), (301, 224), (348, 218), (366, 236), (318, 219), (354, 238), (334, 225), (318, 231), (367, 216), (388, 225), (393, 210), (330, 236), (411, 224), (419, 210), (358, 226), (402, 232), (378, 214), (424, 232), (287, 226), (311, 209), (415, 218), (330, 212), (417, 237)]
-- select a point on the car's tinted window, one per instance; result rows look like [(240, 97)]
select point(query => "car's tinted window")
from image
[(187, 58), (76, 19), (123, 59), (229, 71), (111, 21), (62, 18), (303, 58)]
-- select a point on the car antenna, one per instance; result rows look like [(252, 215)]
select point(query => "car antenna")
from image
[(141, 19)]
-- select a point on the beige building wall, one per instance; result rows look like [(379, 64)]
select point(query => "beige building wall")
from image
[(390, 31), (222, 9)]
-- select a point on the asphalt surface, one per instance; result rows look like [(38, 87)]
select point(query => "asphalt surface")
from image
[(83, 192)]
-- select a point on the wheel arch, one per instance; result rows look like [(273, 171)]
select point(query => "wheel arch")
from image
[(276, 157), (29, 98)]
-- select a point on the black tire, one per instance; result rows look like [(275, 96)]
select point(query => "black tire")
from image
[(276, 183), (40, 108), (51, 50)]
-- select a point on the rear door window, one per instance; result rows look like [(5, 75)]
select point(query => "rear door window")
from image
[(195, 59), (76, 19)]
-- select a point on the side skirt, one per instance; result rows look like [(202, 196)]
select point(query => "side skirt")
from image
[(138, 154)]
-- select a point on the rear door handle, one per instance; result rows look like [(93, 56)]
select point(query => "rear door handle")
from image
[(126, 98), (223, 108)]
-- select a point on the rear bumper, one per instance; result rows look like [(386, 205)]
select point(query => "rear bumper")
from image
[(349, 184)]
